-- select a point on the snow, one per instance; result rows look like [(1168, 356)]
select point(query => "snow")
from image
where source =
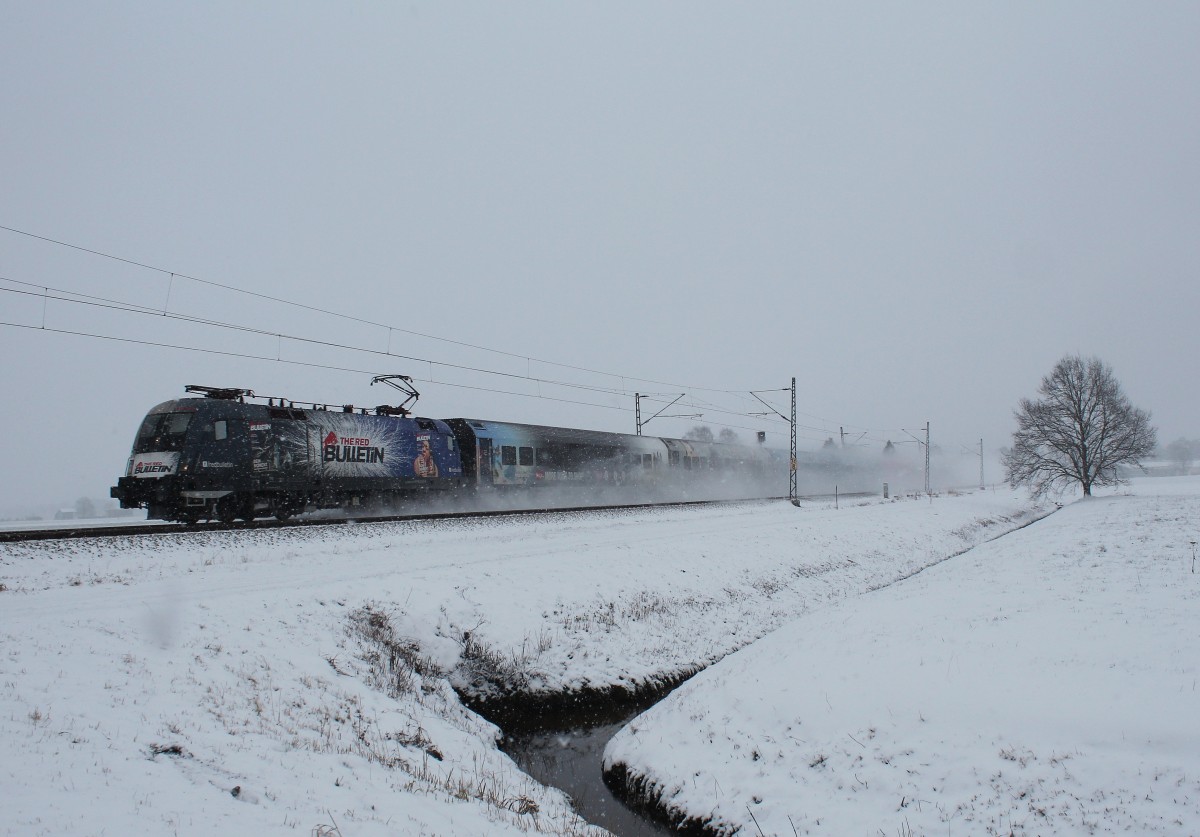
[(136, 519), (1042, 683), (301, 680)]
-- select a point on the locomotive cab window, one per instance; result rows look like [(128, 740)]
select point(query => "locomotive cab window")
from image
[(526, 456), (220, 430), (162, 432)]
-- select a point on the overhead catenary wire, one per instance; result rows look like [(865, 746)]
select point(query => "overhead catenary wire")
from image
[(112, 305), (72, 297), (101, 302), (175, 274), (356, 370), (115, 305), (322, 366), (172, 275), (307, 364)]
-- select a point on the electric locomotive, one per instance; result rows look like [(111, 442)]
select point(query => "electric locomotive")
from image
[(220, 457)]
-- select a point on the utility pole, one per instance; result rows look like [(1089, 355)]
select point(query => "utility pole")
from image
[(792, 474), (926, 444), (791, 423), (927, 491), (978, 453), (637, 411), (981, 483)]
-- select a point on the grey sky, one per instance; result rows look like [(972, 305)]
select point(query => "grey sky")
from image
[(916, 209)]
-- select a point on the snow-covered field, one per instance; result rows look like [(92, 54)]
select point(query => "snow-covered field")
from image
[(301, 680), (1042, 683)]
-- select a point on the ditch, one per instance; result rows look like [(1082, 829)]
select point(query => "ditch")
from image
[(561, 744)]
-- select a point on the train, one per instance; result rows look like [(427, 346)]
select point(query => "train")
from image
[(223, 454)]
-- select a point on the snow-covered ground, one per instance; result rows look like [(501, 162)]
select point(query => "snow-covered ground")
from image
[(138, 519), (301, 680), (1042, 683)]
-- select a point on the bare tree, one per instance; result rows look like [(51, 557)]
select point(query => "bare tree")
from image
[(1182, 452), (699, 433), (85, 508), (728, 436), (1081, 430)]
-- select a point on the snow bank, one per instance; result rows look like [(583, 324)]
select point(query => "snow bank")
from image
[(1042, 683), (224, 683)]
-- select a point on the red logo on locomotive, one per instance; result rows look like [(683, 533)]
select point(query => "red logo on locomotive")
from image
[(345, 449)]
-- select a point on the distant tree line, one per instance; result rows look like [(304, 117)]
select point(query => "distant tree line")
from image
[(703, 433)]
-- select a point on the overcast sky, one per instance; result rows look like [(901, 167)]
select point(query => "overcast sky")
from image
[(914, 209)]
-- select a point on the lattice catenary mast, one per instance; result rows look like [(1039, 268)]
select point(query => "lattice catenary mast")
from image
[(792, 472)]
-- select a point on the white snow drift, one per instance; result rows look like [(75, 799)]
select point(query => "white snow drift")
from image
[(298, 680)]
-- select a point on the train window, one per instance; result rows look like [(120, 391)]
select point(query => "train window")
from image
[(162, 432), (647, 461), (508, 455), (175, 423), (544, 457), (449, 443), (220, 430), (526, 456), (674, 458)]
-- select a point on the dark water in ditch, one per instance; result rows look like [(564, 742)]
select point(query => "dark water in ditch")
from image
[(566, 751)]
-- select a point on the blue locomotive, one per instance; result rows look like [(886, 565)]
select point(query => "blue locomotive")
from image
[(222, 456)]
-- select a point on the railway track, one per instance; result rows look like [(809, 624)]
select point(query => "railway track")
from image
[(68, 533)]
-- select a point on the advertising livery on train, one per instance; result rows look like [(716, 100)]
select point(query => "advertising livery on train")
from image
[(226, 455)]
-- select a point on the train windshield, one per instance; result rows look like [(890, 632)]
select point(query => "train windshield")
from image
[(161, 432)]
